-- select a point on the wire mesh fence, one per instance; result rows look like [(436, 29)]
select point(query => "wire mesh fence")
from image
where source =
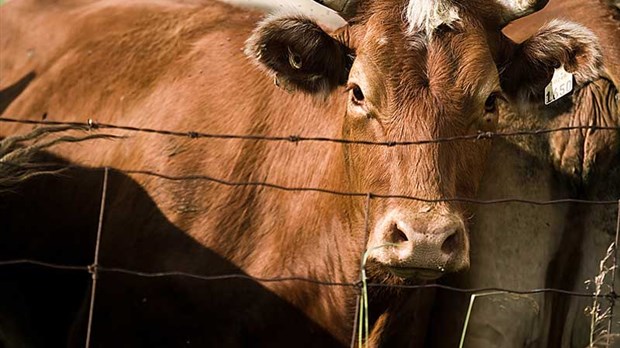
[(360, 285)]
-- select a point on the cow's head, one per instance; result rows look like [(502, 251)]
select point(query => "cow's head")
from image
[(416, 70)]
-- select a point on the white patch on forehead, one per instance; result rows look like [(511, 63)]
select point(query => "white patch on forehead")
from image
[(428, 15), (382, 41)]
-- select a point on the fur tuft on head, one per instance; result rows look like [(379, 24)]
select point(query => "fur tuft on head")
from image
[(428, 15)]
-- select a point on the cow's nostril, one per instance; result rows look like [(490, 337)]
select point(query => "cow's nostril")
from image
[(451, 244), (398, 236)]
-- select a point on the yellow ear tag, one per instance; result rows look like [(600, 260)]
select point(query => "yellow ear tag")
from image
[(561, 84)]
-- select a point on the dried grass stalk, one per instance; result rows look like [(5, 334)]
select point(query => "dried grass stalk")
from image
[(601, 312)]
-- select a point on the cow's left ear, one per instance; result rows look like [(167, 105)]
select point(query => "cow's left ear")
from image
[(299, 54), (529, 67)]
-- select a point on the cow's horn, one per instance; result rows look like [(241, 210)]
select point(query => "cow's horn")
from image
[(515, 9), (346, 8)]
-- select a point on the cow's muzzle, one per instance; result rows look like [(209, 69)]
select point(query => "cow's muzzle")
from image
[(416, 247)]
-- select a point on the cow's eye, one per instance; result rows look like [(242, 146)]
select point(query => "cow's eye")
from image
[(357, 96), (490, 105)]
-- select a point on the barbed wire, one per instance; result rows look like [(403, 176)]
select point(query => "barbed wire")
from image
[(321, 190), (99, 268), (95, 267), (297, 138)]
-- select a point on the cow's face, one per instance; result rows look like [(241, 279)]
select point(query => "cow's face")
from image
[(414, 70)]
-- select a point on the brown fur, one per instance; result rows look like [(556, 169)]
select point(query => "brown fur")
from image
[(180, 65)]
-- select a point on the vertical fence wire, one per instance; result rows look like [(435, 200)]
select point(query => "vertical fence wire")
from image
[(359, 287), (93, 268)]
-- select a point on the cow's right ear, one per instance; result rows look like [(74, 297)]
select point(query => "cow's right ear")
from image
[(299, 54), (531, 64)]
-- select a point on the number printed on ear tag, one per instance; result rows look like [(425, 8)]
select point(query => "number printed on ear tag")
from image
[(561, 84)]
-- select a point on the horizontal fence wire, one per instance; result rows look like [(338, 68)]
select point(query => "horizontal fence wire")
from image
[(296, 138), (51, 265), (103, 269), (57, 166)]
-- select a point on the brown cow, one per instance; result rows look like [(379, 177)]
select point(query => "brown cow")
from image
[(433, 72)]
